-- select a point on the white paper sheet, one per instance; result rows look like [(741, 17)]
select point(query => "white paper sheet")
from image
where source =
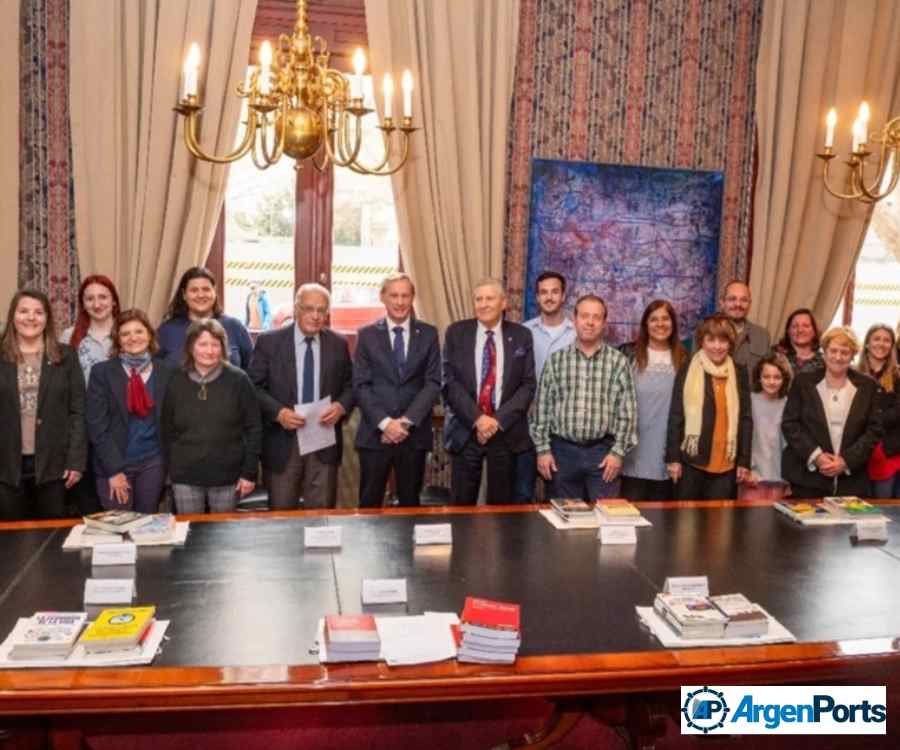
[(133, 657), (314, 436), (417, 639), (670, 639)]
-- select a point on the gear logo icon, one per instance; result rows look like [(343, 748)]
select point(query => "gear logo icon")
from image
[(705, 709)]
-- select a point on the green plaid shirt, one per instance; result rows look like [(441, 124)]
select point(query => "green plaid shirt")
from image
[(583, 398)]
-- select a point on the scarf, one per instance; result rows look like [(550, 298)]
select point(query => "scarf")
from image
[(695, 394), (202, 380), (137, 399)]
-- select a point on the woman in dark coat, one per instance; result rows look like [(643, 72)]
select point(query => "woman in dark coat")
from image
[(42, 444)]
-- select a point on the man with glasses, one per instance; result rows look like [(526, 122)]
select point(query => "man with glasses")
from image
[(301, 364), (752, 342)]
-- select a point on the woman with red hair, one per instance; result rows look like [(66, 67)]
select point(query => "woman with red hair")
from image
[(91, 336)]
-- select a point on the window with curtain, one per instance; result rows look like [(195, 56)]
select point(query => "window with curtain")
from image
[(365, 244)]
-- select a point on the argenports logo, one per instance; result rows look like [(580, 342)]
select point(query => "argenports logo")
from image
[(801, 709), (705, 709)]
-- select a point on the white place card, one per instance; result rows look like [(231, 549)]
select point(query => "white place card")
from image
[(120, 553), (384, 590), (687, 586), (870, 530), (322, 536), (611, 534), (109, 590), (433, 533)]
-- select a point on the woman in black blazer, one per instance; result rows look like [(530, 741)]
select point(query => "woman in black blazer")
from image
[(831, 424), (124, 404), (42, 444), (710, 431)]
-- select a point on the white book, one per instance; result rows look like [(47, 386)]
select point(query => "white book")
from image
[(46, 634)]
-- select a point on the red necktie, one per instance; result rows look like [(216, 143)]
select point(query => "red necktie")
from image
[(488, 376)]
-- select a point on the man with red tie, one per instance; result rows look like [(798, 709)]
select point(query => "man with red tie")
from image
[(488, 386)]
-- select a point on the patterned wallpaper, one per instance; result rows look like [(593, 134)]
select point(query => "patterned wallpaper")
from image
[(667, 84)]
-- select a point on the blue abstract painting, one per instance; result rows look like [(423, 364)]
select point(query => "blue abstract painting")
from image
[(630, 234)]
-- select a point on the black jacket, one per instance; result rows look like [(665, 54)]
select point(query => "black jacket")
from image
[(889, 408), (60, 442), (273, 370), (107, 412), (380, 391), (675, 435), (461, 383), (805, 428)]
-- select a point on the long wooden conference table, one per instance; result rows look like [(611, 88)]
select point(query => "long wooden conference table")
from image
[(244, 596)]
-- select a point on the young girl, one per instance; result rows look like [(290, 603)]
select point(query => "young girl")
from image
[(771, 380)]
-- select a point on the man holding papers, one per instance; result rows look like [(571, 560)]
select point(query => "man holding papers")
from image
[(303, 379)]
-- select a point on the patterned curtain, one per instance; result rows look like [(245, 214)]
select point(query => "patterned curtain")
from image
[(47, 254), (665, 84)]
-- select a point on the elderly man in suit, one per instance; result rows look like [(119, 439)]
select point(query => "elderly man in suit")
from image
[(488, 386), (301, 364), (396, 381)]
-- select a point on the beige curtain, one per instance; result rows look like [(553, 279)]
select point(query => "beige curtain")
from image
[(9, 153), (145, 209), (814, 54), (451, 195)]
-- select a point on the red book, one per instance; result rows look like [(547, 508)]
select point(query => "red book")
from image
[(485, 613), (350, 629)]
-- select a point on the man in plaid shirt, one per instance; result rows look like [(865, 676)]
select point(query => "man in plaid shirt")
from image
[(586, 416)]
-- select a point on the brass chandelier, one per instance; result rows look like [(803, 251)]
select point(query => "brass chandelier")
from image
[(298, 106), (888, 160)]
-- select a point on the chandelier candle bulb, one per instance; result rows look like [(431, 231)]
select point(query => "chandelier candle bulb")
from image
[(265, 68), (388, 89), (359, 65), (857, 135), (863, 123), (830, 123), (189, 76), (407, 84)]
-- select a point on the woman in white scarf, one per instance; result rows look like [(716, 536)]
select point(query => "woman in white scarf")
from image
[(710, 429)]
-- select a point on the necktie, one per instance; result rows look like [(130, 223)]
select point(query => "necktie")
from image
[(309, 374), (399, 353), (488, 376)]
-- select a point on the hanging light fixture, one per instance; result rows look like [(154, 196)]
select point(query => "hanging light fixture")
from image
[(299, 107)]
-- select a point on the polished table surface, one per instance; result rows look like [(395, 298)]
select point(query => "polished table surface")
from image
[(244, 596)]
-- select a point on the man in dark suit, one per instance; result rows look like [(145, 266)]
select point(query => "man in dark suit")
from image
[(488, 386), (295, 366), (396, 380)]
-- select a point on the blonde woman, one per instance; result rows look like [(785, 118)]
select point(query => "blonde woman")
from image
[(878, 360)]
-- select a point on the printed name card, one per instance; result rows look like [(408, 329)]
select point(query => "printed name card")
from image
[(433, 533), (384, 590), (870, 530), (687, 586), (615, 534), (322, 536), (109, 590), (119, 553)]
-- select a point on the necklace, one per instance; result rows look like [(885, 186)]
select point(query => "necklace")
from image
[(835, 392)]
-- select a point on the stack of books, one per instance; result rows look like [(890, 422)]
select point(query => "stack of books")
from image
[(489, 632), (744, 617), (691, 616), (617, 511), (352, 638), (115, 521), (118, 630), (851, 507), (573, 510), (47, 635), (159, 529)]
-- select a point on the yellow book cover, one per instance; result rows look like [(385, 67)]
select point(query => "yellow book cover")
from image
[(126, 624)]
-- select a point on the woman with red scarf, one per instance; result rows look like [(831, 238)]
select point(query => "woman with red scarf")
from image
[(123, 409)]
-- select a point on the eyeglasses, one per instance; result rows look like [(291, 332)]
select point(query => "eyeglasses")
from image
[(312, 310)]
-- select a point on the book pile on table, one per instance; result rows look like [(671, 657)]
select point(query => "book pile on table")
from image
[(851, 507), (489, 632), (352, 638), (116, 521), (618, 511), (158, 530), (117, 630), (47, 635), (142, 528), (573, 510), (726, 616)]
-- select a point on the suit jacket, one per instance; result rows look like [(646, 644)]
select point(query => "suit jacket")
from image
[(60, 442), (380, 390), (107, 412), (751, 346), (890, 420), (675, 433), (461, 385), (805, 428), (273, 370)]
